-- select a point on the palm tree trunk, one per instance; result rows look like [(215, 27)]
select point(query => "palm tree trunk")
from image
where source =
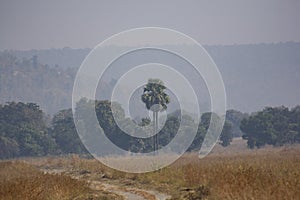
[(154, 131)]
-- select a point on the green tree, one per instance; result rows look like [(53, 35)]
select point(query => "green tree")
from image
[(108, 124), (64, 132), (258, 130), (226, 135), (169, 130), (23, 131), (295, 123), (156, 100), (201, 132), (275, 126), (109, 127)]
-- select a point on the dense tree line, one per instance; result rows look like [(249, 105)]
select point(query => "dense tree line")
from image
[(165, 135), (273, 125), (25, 131)]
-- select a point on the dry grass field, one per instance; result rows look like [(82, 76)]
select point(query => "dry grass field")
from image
[(227, 173), (20, 180)]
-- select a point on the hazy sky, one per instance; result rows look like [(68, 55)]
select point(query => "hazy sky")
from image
[(41, 24)]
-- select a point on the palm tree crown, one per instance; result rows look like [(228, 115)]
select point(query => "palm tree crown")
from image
[(156, 100), (154, 94)]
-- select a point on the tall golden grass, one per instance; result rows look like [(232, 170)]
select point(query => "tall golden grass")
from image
[(19, 180), (269, 173)]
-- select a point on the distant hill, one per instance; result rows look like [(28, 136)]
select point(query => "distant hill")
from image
[(255, 76), (28, 81), (62, 58)]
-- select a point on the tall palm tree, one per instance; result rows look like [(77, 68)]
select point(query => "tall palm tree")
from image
[(156, 100)]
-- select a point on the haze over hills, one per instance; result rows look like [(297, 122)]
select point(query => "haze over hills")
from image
[(255, 75)]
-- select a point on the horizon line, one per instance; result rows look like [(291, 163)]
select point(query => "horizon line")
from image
[(204, 45)]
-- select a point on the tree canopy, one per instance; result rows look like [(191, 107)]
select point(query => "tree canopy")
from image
[(24, 130), (273, 125)]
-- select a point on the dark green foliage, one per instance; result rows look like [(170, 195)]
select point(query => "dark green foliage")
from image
[(196, 145), (294, 125), (23, 131), (64, 132), (225, 137), (9, 147), (169, 131), (144, 145), (154, 93), (274, 126), (109, 125)]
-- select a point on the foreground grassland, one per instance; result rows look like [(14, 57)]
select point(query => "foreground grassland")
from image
[(19, 180), (269, 173)]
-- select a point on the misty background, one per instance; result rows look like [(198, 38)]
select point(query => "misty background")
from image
[(255, 45)]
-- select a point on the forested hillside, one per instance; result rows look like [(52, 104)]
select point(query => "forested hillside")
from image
[(255, 76), (27, 80)]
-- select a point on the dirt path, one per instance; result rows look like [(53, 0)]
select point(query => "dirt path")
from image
[(128, 193)]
